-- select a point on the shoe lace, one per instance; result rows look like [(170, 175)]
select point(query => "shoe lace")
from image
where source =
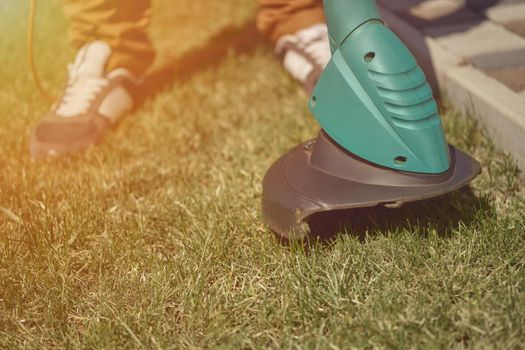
[(81, 91), (319, 51), (312, 41)]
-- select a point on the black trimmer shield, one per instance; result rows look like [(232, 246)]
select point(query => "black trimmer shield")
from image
[(319, 176)]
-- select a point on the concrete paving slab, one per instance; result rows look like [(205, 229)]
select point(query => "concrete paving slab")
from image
[(498, 59), (398, 5), (506, 12), (438, 13), (478, 42), (435, 8), (512, 77), (518, 27), (483, 5), (500, 110)]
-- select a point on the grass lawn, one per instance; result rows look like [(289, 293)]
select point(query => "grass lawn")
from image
[(154, 239)]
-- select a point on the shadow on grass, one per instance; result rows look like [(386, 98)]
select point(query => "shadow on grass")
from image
[(239, 40), (441, 215)]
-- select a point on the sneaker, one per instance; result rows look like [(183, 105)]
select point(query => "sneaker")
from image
[(305, 54), (93, 101)]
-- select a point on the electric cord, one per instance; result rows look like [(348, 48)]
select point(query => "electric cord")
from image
[(30, 55)]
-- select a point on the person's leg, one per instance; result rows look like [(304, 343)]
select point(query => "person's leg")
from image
[(120, 23), (114, 51), (277, 18), (298, 30)]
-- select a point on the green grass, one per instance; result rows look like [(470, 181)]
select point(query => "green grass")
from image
[(154, 239)]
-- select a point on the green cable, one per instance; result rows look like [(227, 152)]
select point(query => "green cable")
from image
[(30, 57)]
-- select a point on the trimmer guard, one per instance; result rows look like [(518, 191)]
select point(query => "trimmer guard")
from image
[(320, 176)]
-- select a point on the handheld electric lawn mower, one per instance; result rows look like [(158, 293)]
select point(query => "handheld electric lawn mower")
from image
[(381, 143)]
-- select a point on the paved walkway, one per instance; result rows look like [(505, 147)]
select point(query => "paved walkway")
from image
[(473, 51)]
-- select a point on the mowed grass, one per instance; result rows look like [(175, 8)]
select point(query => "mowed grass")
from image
[(155, 240)]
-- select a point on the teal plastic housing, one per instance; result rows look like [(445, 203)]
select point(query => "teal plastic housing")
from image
[(373, 99)]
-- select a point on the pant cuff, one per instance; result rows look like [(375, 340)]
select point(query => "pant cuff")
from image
[(297, 21)]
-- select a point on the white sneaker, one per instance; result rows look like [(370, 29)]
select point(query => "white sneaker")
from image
[(93, 100), (305, 54)]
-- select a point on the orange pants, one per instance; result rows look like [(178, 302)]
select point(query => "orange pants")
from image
[(123, 25)]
